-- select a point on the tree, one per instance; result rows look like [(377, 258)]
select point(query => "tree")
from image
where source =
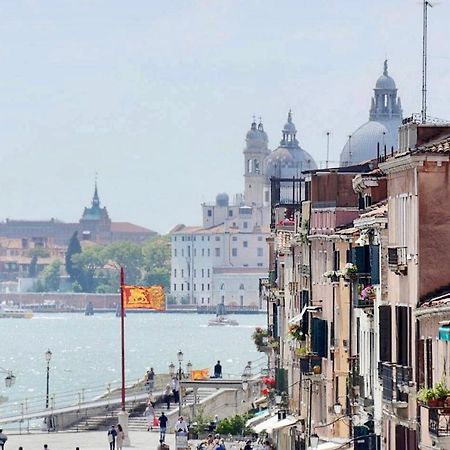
[(48, 281), (74, 248), (32, 268), (156, 261), (127, 255), (86, 264)]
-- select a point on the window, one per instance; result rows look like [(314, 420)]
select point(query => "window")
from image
[(195, 273), (182, 273), (195, 287), (230, 213), (203, 286), (222, 287), (182, 252), (217, 251), (385, 320), (182, 238), (182, 286), (209, 252), (203, 300), (174, 273), (234, 252), (245, 225), (259, 251), (203, 252), (203, 273), (234, 238), (245, 244), (209, 273), (260, 238), (188, 286), (241, 287), (203, 238), (241, 300), (209, 213), (195, 252), (249, 166), (209, 287), (217, 238), (174, 287), (189, 251), (260, 264), (174, 252), (256, 166), (175, 238)]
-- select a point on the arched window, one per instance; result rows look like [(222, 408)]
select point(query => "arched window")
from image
[(256, 166), (241, 287), (222, 287), (249, 166)]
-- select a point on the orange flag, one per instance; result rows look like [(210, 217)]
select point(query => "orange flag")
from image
[(144, 297), (200, 374)]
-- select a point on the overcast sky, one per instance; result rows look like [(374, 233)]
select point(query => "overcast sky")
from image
[(157, 96)]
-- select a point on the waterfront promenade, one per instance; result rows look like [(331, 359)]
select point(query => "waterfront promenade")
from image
[(92, 440)]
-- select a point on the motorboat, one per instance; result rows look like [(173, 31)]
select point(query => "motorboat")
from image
[(221, 321), (14, 312)]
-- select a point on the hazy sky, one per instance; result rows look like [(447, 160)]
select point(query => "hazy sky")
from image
[(157, 96)]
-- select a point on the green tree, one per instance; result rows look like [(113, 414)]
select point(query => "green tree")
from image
[(32, 268), (39, 252), (87, 264), (127, 255), (74, 248), (156, 261), (49, 279)]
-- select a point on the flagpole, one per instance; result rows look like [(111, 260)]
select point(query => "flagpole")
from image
[(122, 329)]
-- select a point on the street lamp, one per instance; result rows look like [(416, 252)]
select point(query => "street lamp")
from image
[(337, 408), (189, 369), (314, 441), (247, 373), (180, 360), (171, 369), (48, 357)]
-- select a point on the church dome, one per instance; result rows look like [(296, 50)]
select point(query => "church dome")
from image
[(385, 82), (256, 136), (222, 199), (289, 159), (382, 128)]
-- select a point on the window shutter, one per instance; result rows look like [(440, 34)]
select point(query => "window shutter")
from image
[(385, 333), (375, 264), (320, 337), (360, 257)]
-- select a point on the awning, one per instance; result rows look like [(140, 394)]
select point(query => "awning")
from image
[(290, 420), (444, 331), (273, 424), (297, 319), (259, 417), (261, 401), (329, 446)]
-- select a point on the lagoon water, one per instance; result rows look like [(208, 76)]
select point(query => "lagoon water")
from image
[(86, 351)]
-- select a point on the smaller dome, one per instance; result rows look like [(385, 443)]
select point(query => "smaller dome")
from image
[(289, 126), (385, 82), (222, 199), (256, 136)]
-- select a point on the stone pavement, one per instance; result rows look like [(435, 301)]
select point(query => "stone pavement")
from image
[(92, 440)]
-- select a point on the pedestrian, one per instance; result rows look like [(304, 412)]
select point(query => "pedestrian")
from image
[(248, 445), (112, 433), (151, 379), (218, 370), (149, 414), (3, 439), (181, 425), (46, 447), (21, 448), (176, 389), (151, 400), (167, 394), (120, 437), (163, 426)]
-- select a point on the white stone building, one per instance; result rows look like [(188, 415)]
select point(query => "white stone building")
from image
[(222, 261)]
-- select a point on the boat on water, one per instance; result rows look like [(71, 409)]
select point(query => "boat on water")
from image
[(14, 312), (221, 321)]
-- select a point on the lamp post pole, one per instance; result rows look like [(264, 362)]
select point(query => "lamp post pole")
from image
[(48, 357), (180, 372)]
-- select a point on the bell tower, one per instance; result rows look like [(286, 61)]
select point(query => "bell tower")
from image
[(255, 151)]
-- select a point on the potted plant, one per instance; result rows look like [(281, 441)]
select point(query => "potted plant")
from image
[(296, 333), (350, 271), (428, 397)]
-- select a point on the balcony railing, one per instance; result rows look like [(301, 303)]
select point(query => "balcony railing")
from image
[(439, 422), (395, 380), (310, 364)]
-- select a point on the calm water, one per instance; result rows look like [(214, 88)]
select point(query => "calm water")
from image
[(86, 350)]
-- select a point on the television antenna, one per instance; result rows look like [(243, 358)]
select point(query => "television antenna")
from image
[(426, 4)]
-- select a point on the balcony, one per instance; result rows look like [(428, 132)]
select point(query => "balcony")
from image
[(311, 365), (397, 259), (439, 425), (396, 383)]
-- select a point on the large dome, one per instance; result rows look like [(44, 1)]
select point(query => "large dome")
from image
[(289, 159), (382, 128), (362, 145)]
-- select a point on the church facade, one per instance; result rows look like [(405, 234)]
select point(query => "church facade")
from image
[(223, 260)]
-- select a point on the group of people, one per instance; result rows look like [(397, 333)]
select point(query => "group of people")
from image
[(116, 436), (212, 443)]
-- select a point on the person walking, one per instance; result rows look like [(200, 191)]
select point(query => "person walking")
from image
[(112, 433), (120, 437), (149, 415), (163, 426), (151, 379), (167, 394), (218, 370), (3, 439), (176, 390)]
